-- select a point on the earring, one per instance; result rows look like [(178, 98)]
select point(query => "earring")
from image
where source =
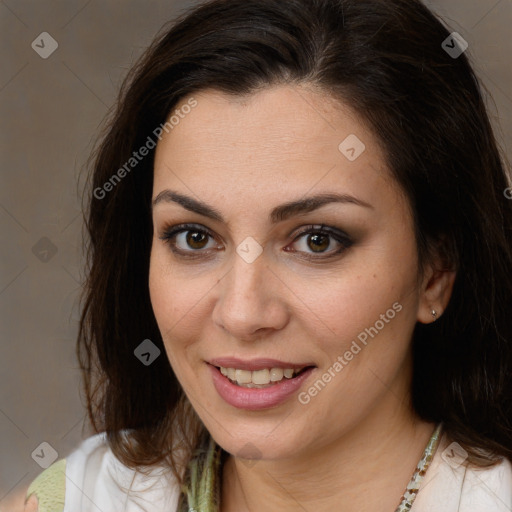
[(434, 314)]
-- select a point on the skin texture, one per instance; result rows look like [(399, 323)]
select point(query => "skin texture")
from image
[(31, 504), (244, 156)]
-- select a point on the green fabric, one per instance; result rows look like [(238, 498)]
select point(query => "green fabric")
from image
[(201, 492), (50, 488)]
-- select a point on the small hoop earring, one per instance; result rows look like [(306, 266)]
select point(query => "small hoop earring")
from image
[(434, 314)]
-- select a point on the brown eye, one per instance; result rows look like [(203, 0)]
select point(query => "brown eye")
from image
[(189, 241), (186, 238), (196, 239), (318, 243), (322, 241)]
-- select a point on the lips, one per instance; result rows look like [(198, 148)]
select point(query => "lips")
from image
[(257, 398)]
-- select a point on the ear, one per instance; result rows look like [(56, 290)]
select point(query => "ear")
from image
[(436, 290)]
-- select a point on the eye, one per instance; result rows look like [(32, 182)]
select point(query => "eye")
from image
[(185, 239), (319, 239)]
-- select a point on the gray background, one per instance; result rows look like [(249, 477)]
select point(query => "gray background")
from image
[(50, 110)]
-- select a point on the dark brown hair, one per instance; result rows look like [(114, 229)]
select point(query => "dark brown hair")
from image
[(385, 59)]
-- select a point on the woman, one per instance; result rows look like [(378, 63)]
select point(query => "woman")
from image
[(299, 284)]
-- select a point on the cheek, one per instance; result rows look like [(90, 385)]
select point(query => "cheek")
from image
[(368, 313), (176, 299), (166, 299), (356, 297), (367, 325), (363, 328), (160, 289)]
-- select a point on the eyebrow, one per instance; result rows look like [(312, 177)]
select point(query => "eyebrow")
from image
[(278, 214)]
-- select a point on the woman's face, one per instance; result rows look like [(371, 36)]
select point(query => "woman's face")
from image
[(296, 252)]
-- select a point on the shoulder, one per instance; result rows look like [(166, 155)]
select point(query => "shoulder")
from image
[(91, 478), (488, 488), (451, 485)]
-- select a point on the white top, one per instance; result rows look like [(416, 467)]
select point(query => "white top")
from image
[(95, 480)]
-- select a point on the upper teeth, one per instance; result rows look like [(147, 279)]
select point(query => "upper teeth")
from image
[(265, 376)]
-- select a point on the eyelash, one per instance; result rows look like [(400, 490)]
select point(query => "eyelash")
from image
[(170, 234)]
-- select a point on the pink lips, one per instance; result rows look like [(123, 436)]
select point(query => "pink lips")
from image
[(254, 399)]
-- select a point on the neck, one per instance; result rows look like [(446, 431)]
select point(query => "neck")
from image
[(336, 476)]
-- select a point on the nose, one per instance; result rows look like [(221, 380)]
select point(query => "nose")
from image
[(251, 300)]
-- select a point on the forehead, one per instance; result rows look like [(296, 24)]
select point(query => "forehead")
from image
[(292, 118), (279, 137)]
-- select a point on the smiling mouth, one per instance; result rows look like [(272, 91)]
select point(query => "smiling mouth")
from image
[(264, 378)]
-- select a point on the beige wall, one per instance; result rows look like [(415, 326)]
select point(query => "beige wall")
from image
[(49, 110)]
